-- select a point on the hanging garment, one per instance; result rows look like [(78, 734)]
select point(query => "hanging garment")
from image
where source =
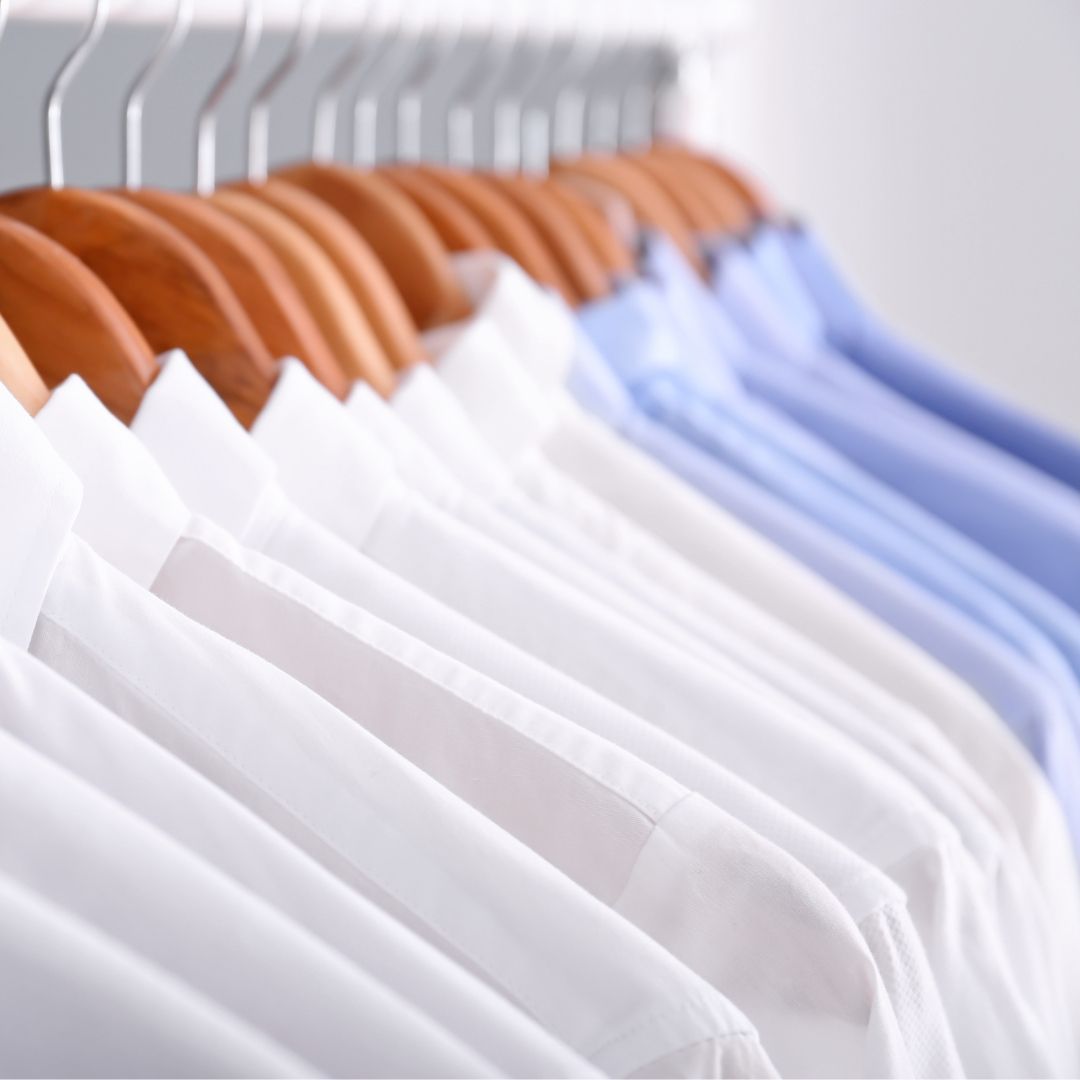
[(81, 736), (820, 393), (852, 328), (76, 1002), (293, 759), (178, 398)]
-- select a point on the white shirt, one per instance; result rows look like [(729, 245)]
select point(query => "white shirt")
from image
[(83, 852), (76, 1003), (663, 857), (366, 814), (893, 732), (659, 515), (513, 415), (820, 775), (510, 402), (75, 732)]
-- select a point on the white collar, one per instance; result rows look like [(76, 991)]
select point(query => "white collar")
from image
[(39, 501), (415, 461), (327, 464), (131, 515), (475, 360), (540, 330), (210, 459), (431, 411)]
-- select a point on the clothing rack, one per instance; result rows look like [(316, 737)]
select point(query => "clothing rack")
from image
[(482, 595)]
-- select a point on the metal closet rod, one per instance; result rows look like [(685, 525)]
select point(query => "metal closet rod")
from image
[(683, 18)]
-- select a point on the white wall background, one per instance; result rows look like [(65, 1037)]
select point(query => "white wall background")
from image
[(936, 143)]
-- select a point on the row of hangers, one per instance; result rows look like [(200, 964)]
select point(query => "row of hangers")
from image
[(341, 265)]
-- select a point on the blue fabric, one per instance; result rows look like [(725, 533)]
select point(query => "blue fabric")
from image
[(817, 387), (857, 332), (1011, 509), (644, 346), (763, 443)]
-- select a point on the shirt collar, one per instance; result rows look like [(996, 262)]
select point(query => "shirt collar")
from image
[(418, 465), (426, 405), (528, 318), (329, 466), (769, 251), (39, 501), (479, 365), (738, 285), (210, 459), (130, 515)]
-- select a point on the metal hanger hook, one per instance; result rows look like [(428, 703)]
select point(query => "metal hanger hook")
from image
[(169, 46), (54, 102), (258, 133), (206, 128)]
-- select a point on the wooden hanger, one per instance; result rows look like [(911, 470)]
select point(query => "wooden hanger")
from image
[(511, 230), (67, 320), (458, 228), (650, 203), (257, 277), (174, 293), (18, 374), (252, 271), (397, 231), (560, 232), (715, 206), (327, 296), (736, 184), (681, 185), (610, 248), (368, 281)]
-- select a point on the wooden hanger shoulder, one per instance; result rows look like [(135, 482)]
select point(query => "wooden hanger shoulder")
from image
[(68, 321), (174, 293), (18, 373), (511, 230), (359, 354), (368, 280), (612, 250), (254, 273), (684, 189), (754, 203), (650, 202), (397, 231), (457, 226), (561, 234)]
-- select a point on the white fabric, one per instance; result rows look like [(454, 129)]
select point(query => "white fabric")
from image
[(821, 775), (370, 817), (75, 1003), (666, 529), (509, 409), (668, 860), (478, 361), (74, 731), (85, 853)]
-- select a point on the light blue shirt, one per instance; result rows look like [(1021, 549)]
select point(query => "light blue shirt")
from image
[(813, 384), (1008, 507), (636, 336), (851, 327)]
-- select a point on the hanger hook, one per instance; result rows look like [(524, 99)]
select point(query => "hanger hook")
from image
[(206, 130), (54, 107), (258, 144), (461, 117), (369, 101), (408, 129), (170, 44)]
